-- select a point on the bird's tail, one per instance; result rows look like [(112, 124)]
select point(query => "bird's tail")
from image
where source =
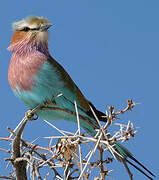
[(125, 153), (122, 154)]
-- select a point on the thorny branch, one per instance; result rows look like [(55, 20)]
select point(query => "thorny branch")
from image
[(67, 151)]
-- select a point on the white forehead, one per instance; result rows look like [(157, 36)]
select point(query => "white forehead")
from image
[(31, 22)]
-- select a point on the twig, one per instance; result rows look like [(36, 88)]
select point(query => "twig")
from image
[(55, 127), (79, 132), (95, 147), (128, 170), (7, 177), (16, 127), (101, 164), (37, 171), (5, 150), (130, 106)]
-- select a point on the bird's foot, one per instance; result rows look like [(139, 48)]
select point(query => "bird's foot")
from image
[(30, 116)]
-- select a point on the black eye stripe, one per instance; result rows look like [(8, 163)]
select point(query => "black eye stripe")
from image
[(26, 29), (35, 29)]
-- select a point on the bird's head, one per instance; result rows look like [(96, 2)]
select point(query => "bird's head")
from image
[(29, 32)]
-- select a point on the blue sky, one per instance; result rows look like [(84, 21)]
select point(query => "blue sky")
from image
[(110, 49)]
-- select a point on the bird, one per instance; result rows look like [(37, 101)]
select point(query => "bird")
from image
[(37, 78)]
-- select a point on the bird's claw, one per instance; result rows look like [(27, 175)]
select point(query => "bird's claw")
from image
[(30, 116)]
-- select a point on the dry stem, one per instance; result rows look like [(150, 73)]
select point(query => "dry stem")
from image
[(67, 153)]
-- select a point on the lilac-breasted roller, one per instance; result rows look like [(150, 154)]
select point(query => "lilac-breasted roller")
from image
[(35, 78)]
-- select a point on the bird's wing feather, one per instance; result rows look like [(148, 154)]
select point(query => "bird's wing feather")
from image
[(70, 85), (76, 94)]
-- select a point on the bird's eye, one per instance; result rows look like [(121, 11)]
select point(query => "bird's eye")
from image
[(26, 29)]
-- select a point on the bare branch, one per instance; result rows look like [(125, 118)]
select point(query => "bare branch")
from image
[(74, 153)]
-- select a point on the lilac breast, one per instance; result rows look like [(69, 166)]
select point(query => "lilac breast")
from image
[(23, 67)]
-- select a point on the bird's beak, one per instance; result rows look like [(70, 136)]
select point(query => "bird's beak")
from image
[(45, 27)]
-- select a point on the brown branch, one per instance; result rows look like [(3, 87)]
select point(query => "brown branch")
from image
[(19, 165), (43, 157), (130, 106), (37, 171), (128, 170), (7, 177), (5, 150), (26, 144), (102, 173)]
